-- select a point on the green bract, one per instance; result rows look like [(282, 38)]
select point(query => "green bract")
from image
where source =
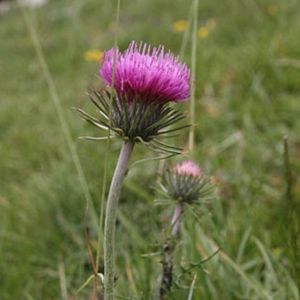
[(135, 120), (184, 188)]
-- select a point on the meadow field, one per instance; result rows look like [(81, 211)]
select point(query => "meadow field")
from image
[(243, 244)]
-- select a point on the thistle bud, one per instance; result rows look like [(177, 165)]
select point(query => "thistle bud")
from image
[(185, 182)]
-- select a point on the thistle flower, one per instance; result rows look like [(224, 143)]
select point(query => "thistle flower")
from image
[(182, 183), (142, 83), (146, 74), (186, 182), (187, 168)]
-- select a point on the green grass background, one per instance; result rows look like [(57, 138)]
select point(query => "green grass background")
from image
[(247, 100)]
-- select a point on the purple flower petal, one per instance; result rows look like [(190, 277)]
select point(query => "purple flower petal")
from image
[(187, 168), (146, 74)]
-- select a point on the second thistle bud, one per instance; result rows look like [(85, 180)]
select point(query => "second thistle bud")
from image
[(185, 182)]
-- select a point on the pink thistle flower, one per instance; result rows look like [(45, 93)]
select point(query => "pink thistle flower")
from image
[(136, 104), (187, 168), (146, 74), (185, 182)]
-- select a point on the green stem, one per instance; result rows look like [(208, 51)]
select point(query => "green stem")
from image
[(193, 79), (166, 279), (175, 223), (110, 219)]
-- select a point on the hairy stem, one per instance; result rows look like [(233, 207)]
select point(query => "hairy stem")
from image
[(110, 219), (175, 223), (168, 248)]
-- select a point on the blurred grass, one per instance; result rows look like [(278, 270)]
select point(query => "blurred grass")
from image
[(246, 101)]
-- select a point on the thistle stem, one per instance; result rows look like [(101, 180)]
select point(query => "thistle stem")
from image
[(168, 248), (175, 223), (110, 219)]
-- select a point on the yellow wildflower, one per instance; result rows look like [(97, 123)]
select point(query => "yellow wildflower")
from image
[(180, 26), (211, 24), (203, 32), (93, 55)]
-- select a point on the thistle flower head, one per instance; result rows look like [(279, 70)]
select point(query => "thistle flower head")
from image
[(187, 168), (146, 74), (142, 82), (185, 182)]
